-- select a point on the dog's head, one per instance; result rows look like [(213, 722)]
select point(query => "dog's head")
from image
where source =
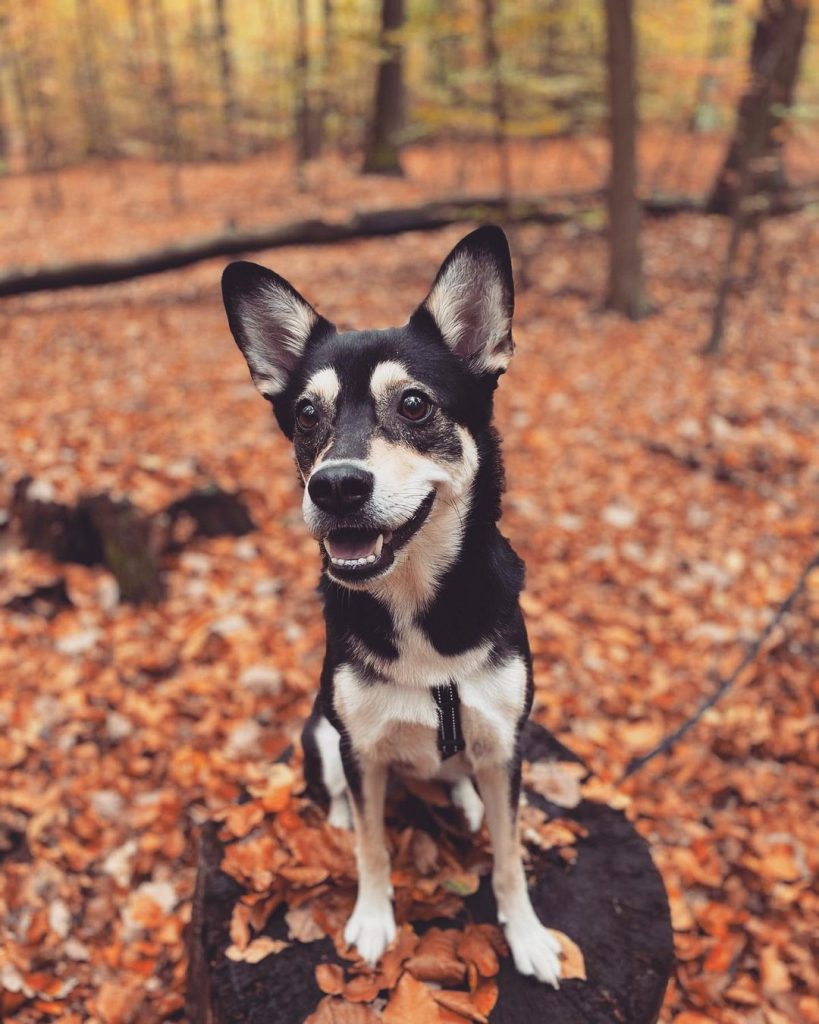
[(386, 424)]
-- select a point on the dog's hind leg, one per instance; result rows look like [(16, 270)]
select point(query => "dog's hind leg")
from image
[(323, 770), (534, 950), (465, 797)]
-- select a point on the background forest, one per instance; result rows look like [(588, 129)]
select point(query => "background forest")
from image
[(655, 166)]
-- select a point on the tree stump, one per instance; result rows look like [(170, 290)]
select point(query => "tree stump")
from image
[(611, 901)]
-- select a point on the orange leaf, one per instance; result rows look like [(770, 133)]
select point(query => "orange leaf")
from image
[(572, 964), (330, 978), (436, 958), (258, 949), (460, 1002), (332, 1010), (240, 926), (411, 1003), (474, 947)]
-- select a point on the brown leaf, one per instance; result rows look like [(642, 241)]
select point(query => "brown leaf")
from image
[(332, 1010), (572, 963), (274, 793), (436, 958), (424, 851), (460, 1002), (411, 1003), (474, 946), (240, 926), (557, 782), (330, 978), (302, 926), (257, 950)]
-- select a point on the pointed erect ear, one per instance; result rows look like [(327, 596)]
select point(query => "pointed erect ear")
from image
[(473, 298), (270, 321)]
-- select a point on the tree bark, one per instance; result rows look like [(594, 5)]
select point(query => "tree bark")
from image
[(626, 290), (776, 48), (226, 76), (382, 154), (492, 57), (93, 98), (171, 139)]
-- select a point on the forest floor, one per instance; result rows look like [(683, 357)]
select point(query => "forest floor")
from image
[(664, 504)]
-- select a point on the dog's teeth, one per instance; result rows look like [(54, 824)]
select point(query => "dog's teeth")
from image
[(379, 544)]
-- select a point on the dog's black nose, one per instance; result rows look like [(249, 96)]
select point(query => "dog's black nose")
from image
[(340, 488)]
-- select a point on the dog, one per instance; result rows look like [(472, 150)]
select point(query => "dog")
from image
[(427, 669)]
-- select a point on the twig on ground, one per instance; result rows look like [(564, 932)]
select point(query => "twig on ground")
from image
[(665, 745)]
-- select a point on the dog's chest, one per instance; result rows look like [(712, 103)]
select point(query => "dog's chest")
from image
[(395, 721)]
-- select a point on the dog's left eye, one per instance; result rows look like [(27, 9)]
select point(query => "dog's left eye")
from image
[(307, 416), (415, 406)]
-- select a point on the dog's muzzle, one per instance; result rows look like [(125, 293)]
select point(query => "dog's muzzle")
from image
[(359, 553)]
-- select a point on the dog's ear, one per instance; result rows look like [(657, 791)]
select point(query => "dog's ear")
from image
[(472, 300), (270, 321)]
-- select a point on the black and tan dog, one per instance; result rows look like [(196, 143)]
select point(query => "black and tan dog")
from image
[(427, 669)]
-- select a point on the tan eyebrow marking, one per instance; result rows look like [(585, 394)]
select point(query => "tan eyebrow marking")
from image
[(324, 385), (386, 376)]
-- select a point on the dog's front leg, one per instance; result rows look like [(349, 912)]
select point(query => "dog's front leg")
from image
[(534, 950), (371, 927)]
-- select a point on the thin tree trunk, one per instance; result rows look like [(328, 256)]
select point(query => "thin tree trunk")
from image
[(491, 53), (308, 142), (754, 150), (93, 98), (382, 154), (781, 28), (226, 76), (626, 290), (171, 141), (328, 62)]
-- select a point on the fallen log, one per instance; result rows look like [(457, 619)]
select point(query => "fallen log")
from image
[(611, 901), (556, 209)]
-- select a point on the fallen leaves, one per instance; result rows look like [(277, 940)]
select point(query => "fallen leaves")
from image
[(256, 951), (647, 569)]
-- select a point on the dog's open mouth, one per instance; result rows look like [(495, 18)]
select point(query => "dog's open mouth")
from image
[(359, 553)]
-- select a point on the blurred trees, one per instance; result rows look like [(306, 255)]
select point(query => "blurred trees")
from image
[(756, 147), (198, 79), (625, 290), (381, 154)]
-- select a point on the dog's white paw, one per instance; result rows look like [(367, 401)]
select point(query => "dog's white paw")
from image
[(466, 798), (535, 950), (339, 815), (371, 929)]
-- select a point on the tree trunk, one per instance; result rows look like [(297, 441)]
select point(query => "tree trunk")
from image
[(491, 54), (778, 40), (382, 155), (5, 131), (226, 76), (171, 141), (308, 137), (93, 98), (626, 292)]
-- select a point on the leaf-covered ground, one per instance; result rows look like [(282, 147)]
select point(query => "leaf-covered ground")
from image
[(664, 505)]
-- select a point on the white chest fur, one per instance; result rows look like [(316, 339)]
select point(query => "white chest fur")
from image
[(395, 722)]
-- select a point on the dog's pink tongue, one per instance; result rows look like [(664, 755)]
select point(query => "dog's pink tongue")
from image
[(351, 548)]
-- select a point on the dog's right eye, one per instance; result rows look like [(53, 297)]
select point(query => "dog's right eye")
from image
[(307, 416)]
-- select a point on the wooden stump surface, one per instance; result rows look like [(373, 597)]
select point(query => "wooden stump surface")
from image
[(611, 901)]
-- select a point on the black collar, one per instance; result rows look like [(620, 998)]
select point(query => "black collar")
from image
[(450, 736)]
